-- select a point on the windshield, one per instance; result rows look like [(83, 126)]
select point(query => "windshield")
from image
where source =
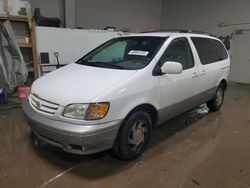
[(128, 53)]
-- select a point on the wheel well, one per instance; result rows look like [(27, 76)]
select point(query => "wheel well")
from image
[(150, 109), (224, 83)]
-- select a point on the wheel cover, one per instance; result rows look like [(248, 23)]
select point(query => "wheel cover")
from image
[(137, 136)]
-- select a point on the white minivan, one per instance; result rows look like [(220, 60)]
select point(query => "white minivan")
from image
[(113, 96)]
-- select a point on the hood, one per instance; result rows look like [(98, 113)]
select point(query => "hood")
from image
[(76, 83)]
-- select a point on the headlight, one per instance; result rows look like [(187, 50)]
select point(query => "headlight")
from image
[(75, 111), (93, 111)]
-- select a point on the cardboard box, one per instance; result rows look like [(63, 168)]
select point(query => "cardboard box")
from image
[(12, 7)]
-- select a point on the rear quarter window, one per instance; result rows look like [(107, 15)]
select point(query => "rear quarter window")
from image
[(209, 50)]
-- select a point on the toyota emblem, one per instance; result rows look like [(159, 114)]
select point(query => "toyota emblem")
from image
[(38, 104)]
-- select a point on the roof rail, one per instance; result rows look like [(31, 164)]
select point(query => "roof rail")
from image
[(179, 31)]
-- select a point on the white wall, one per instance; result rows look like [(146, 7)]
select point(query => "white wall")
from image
[(137, 15), (204, 15), (69, 42)]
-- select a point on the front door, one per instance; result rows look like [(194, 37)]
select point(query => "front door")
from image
[(178, 90)]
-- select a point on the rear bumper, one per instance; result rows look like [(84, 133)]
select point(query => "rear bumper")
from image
[(74, 138)]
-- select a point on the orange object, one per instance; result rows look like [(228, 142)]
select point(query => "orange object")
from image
[(97, 111), (23, 93)]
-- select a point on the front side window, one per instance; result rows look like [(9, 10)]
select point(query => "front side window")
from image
[(128, 53), (209, 50), (179, 51)]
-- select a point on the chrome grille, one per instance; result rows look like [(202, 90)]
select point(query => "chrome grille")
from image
[(42, 105)]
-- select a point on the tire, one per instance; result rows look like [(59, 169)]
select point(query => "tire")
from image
[(133, 136), (216, 103)]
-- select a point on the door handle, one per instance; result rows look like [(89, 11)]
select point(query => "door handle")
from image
[(195, 75), (203, 73)]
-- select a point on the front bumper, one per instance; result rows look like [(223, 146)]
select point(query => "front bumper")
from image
[(74, 138)]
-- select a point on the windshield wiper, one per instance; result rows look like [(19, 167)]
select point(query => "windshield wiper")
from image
[(82, 62), (99, 64), (102, 64), (112, 66)]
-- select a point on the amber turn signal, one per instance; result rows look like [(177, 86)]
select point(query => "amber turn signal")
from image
[(97, 111)]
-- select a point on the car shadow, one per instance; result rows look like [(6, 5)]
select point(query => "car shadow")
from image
[(104, 164)]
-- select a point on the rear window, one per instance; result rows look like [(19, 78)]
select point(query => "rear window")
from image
[(209, 50)]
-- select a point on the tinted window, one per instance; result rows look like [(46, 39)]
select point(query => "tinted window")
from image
[(209, 50), (179, 51)]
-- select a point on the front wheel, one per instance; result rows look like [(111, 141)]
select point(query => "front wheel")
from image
[(216, 103), (133, 136)]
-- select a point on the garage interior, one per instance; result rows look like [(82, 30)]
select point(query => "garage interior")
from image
[(196, 149)]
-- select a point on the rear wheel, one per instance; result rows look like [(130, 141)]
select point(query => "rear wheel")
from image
[(216, 103), (133, 136)]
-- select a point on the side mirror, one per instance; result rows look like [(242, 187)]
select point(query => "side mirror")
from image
[(171, 67)]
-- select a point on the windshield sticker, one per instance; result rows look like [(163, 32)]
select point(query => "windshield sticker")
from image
[(138, 52)]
